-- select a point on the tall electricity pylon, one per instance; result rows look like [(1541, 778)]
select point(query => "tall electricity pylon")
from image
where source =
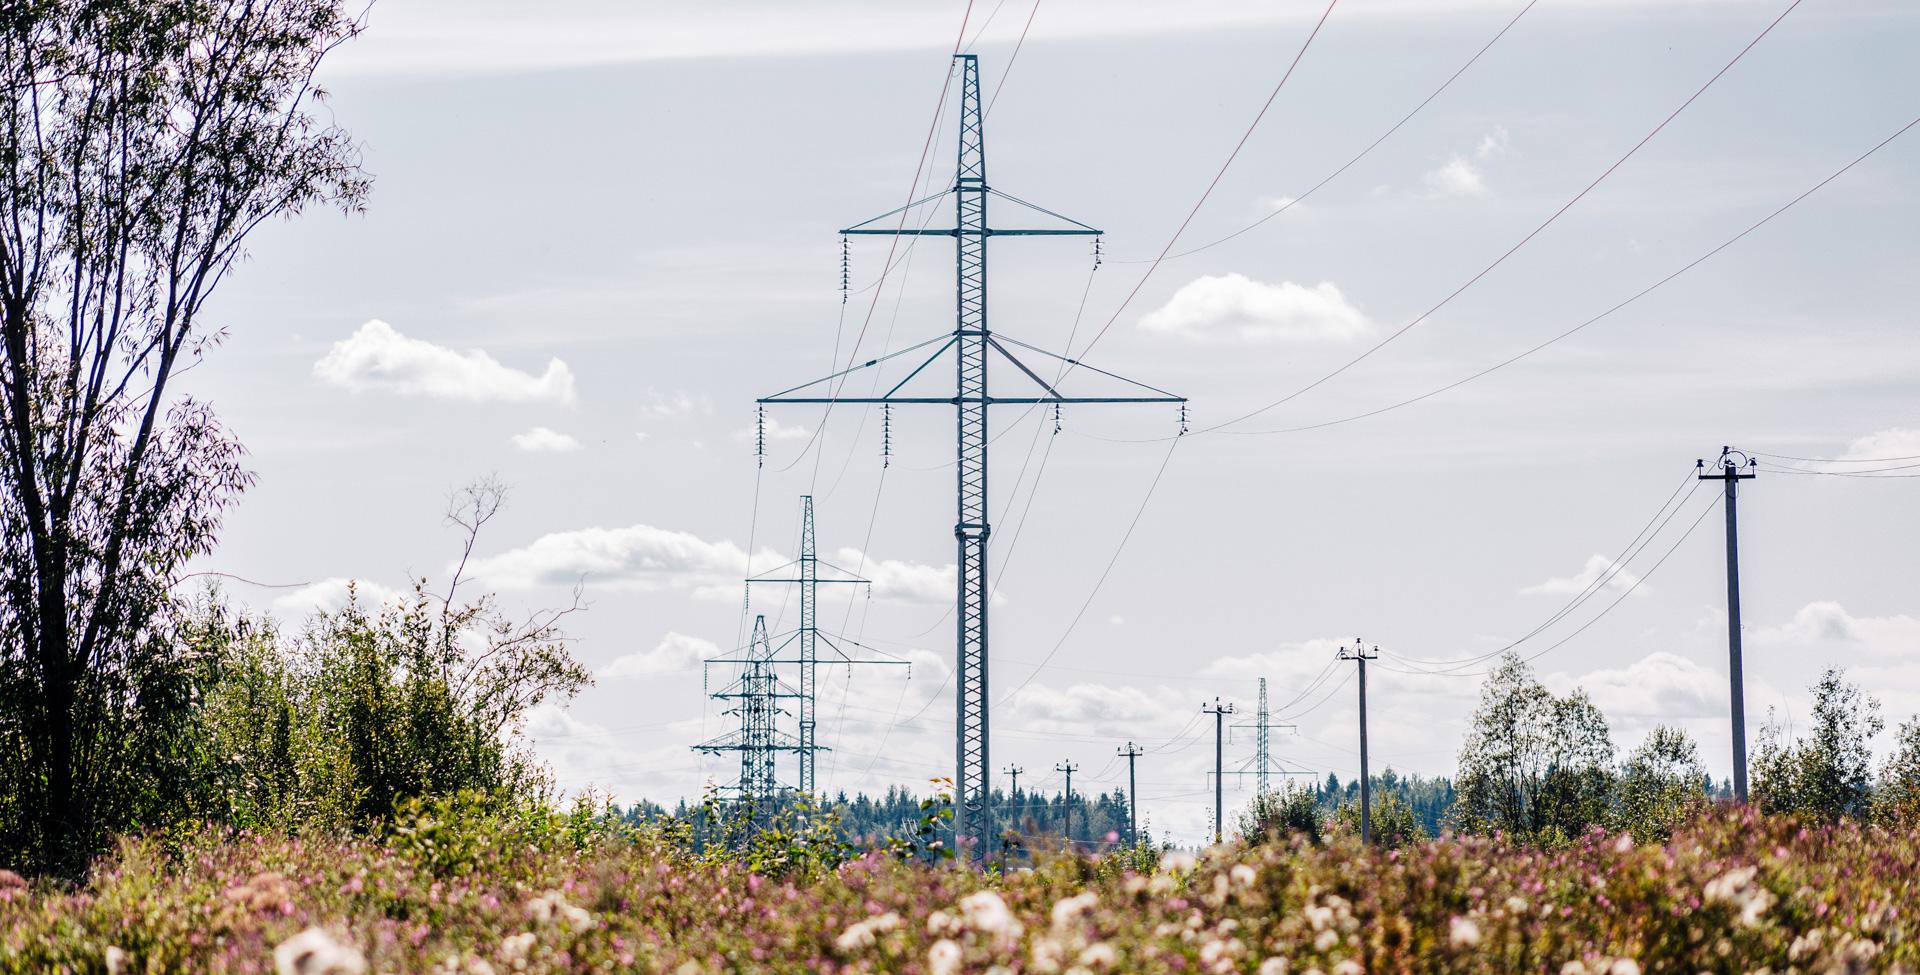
[(758, 693), (807, 576), (973, 344)]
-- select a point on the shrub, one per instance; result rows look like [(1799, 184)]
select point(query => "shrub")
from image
[(1277, 814), (1827, 774)]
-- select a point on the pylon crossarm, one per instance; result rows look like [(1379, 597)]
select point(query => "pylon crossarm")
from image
[(1083, 231), (855, 229), (849, 659), (1168, 397), (775, 398), (1051, 392)]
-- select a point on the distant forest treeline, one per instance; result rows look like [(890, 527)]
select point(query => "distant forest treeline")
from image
[(868, 819)]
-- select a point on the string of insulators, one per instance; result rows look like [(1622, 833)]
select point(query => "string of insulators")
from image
[(1096, 253), (1056, 419), (760, 437), (1183, 419), (886, 435), (846, 273)]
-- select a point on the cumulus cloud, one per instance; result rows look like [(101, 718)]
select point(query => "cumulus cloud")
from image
[(1235, 306), (379, 357), (1897, 443), (1659, 686), (677, 403), (640, 557), (775, 431), (328, 595), (1598, 567), (1829, 622), (1494, 145), (905, 580), (677, 652), (647, 558), (1273, 203), (543, 439), (1458, 176), (1455, 177)]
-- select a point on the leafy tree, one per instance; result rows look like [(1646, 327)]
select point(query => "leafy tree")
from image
[(1394, 823), (140, 142), (1661, 783), (1897, 798), (1829, 773), (1279, 813), (369, 709), (1533, 764)]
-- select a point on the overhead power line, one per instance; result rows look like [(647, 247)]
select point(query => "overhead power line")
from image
[(1363, 153), (1535, 232)]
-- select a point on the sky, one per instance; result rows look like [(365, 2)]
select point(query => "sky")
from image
[(600, 230)]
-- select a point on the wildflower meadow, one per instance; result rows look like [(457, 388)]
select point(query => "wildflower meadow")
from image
[(1734, 892)]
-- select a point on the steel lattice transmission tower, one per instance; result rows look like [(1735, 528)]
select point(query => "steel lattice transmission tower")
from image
[(757, 694), (1263, 754), (973, 344), (808, 637)]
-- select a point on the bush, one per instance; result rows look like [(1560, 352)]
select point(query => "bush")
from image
[(1393, 822), (1661, 784), (1827, 774), (1279, 814)]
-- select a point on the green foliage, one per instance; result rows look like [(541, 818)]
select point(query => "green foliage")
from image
[(1896, 799), (1431, 799), (1279, 814), (1661, 785), (366, 710), (1533, 765), (1393, 822), (1828, 773), (141, 141)]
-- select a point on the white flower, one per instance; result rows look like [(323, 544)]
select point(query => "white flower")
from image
[(1243, 875), (314, 952), (1177, 861), (1624, 843), (943, 958), (1274, 966), (1326, 940), (1625, 966), (1099, 954), (1463, 933), (985, 911), (1348, 966), (862, 934), (516, 947), (116, 959), (1067, 910)]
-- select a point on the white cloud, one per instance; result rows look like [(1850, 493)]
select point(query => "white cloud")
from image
[(1236, 306), (640, 557), (1599, 566), (379, 357), (328, 595), (543, 439), (677, 652), (775, 430), (1898, 442), (905, 580), (677, 403), (1659, 686), (1456, 177), (1494, 145), (1271, 203), (1829, 622)]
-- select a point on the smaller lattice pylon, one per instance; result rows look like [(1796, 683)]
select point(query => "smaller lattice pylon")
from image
[(1262, 761), (756, 696)]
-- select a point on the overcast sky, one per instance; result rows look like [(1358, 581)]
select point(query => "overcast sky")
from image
[(600, 230)]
